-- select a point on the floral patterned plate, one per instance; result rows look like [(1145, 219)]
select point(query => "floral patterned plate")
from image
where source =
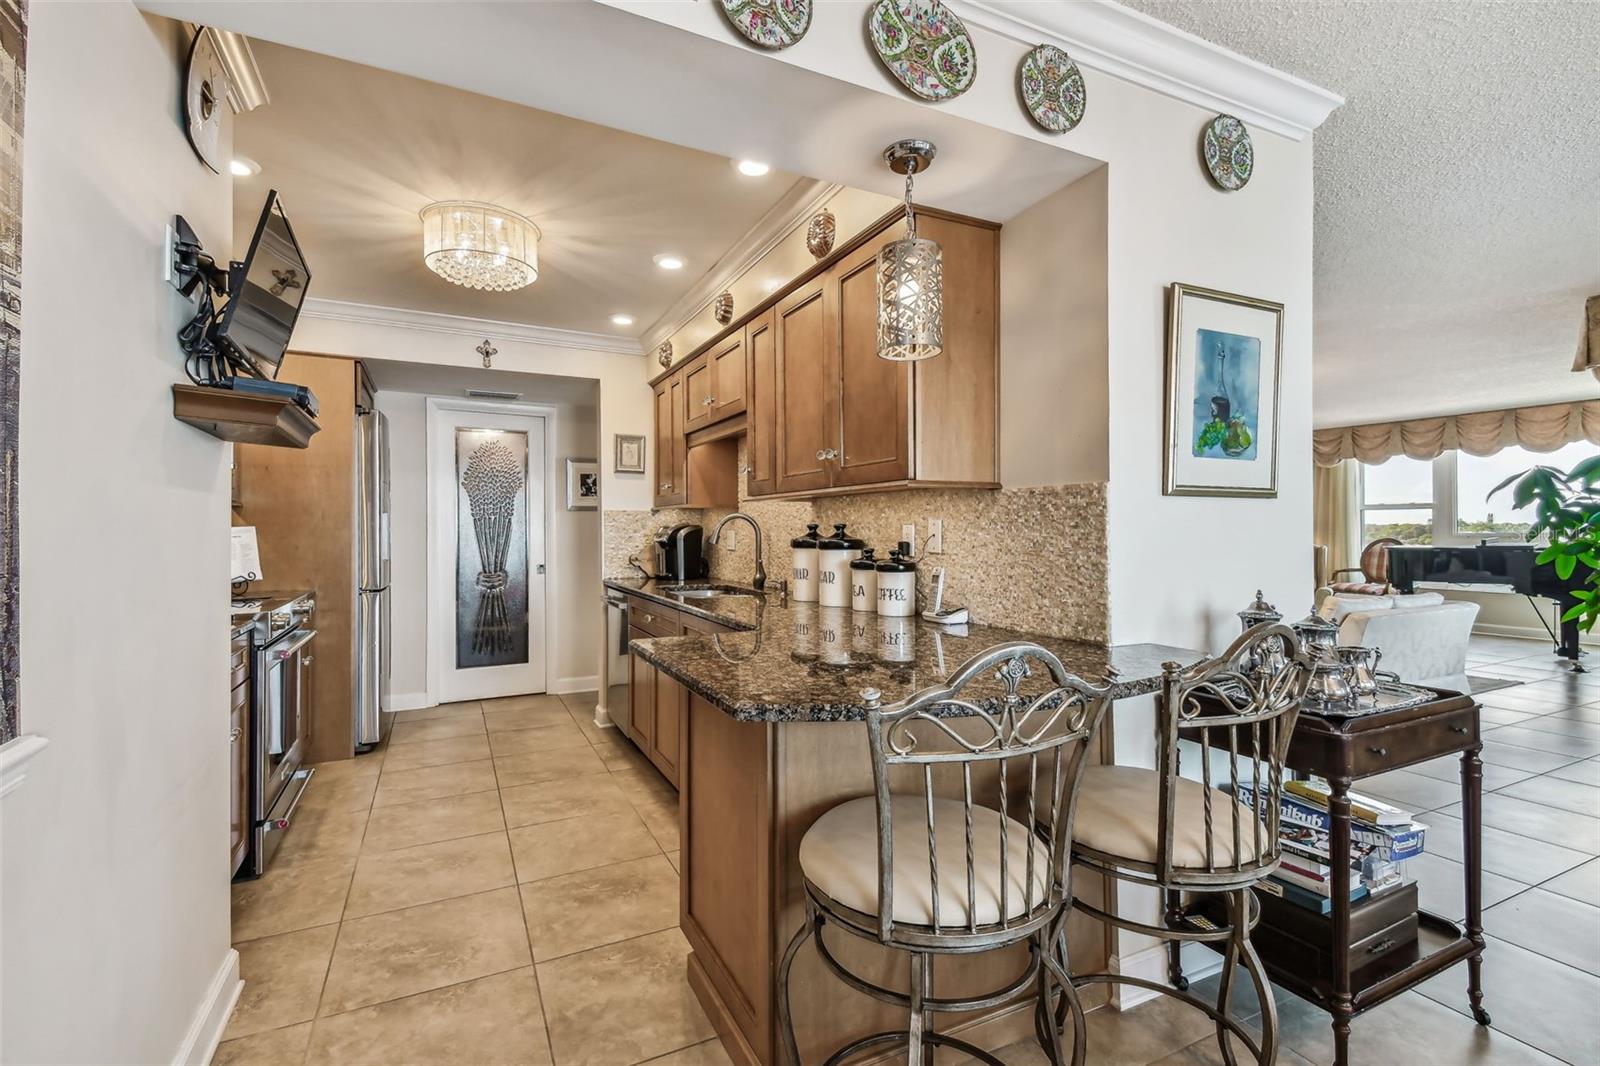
[(1052, 88), (1228, 153), (771, 24), (925, 46)]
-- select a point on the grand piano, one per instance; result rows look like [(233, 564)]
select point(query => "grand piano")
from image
[(1493, 564)]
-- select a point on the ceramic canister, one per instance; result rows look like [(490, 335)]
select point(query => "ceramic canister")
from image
[(805, 565), (834, 555), (897, 584), (864, 583)]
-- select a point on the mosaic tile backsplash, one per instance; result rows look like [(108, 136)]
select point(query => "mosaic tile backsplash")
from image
[(1024, 558)]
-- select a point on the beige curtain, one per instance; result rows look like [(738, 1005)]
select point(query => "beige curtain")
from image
[(1589, 338), (1335, 509), (1540, 429)]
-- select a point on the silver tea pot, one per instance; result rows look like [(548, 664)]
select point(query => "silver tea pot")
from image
[(1363, 665), (1330, 681), (1319, 636)]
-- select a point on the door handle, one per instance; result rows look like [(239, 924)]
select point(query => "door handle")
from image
[(539, 569)]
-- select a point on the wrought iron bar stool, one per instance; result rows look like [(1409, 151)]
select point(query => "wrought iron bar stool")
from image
[(934, 871), (1232, 716)]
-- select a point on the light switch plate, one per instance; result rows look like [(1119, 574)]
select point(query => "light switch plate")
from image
[(935, 536), (908, 533)]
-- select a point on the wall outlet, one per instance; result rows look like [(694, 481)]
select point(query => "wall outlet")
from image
[(908, 533), (935, 536)]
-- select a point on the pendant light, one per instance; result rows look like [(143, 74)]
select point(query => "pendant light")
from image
[(910, 274)]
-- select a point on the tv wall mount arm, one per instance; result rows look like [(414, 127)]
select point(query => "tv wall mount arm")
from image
[(197, 277)]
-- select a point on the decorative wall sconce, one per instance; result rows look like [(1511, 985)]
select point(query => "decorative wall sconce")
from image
[(664, 353), (722, 309), (820, 233), (910, 274)]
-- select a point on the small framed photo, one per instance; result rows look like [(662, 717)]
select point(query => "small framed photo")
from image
[(629, 454), (583, 484), (1223, 356)]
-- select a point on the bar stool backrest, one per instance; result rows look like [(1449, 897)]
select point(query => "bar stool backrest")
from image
[(1034, 742), (1241, 705)]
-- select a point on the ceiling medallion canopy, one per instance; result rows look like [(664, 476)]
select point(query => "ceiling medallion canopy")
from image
[(479, 245), (910, 274)]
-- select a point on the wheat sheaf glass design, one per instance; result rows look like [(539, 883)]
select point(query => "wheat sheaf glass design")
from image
[(493, 480)]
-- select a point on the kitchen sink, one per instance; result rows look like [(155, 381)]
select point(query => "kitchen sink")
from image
[(704, 592)]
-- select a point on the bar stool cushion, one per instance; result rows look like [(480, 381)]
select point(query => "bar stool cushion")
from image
[(839, 855), (1118, 815)]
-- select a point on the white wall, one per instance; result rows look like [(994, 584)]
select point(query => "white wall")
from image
[(1053, 339), (114, 874), (572, 561)]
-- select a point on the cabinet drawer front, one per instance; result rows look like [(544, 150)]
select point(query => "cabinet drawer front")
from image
[(654, 619), (1409, 743)]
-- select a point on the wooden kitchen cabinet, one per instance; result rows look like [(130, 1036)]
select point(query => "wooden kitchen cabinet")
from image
[(714, 384), (806, 419), (671, 480), (823, 414), (641, 697), (761, 407)]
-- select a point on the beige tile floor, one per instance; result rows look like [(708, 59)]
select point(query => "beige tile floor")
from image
[(498, 884)]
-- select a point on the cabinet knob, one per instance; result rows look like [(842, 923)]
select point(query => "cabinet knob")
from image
[(665, 485), (1461, 729), (822, 454), (233, 734), (1379, 752)]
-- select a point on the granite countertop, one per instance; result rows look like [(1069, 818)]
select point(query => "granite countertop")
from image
[(798, 662)]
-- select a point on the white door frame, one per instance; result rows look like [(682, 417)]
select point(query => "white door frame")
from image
[(442, 529)]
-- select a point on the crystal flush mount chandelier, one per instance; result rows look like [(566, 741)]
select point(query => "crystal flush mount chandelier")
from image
[(910, 274), (480, 245)]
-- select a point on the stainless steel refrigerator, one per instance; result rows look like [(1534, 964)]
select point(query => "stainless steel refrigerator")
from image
[(372, 581)]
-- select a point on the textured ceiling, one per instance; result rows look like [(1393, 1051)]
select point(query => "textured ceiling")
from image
[(356, 152), (1457, 193)]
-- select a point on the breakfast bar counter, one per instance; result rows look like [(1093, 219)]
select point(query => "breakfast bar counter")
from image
[(774, 736)]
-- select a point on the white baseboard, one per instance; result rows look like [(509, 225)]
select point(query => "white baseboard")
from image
[(1150, 963), (205, 1032), (1493, 629), (408, 701), (574, 684)]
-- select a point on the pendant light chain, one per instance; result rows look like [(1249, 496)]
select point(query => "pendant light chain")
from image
[(911, 215)]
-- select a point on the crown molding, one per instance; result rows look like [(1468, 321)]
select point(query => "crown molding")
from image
[(1134, 47), (247, 89), (461, 325), (804, 198)]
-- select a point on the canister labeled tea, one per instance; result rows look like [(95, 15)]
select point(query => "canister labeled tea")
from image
[(864, 583)]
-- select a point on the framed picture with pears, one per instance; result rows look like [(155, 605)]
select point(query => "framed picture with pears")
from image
[(1224, 352)]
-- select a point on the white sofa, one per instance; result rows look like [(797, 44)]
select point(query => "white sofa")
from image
[(1424, 637)]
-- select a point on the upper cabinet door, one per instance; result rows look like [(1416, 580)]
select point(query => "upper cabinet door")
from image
[(699, 394), (761, 405), (874, 442), (808, 381), (728, 370), (670, 480)]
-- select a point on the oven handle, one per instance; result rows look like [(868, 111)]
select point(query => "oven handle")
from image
[(301, 641)]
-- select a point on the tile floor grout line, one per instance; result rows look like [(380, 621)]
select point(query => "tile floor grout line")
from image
[(533, 963)]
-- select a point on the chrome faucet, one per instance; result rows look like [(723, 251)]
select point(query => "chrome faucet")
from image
[(761, 568)]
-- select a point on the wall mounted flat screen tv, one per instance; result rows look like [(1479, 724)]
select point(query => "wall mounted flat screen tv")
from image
[(267, 291)]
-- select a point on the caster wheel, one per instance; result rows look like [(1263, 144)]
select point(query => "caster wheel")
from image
[(1480, 1016)]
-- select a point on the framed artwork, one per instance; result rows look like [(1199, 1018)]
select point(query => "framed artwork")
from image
[(583, 484), (1224, 353), (13, 82), (629, 457)]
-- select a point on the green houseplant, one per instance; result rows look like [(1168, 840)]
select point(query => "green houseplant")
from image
[(1567, 507)]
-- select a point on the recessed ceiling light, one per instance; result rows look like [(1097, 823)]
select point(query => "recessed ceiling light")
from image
[(244, 167), (753, 168), (622, 320), (668, 261)]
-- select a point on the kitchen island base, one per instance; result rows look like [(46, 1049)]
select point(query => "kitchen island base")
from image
[(749, 791)]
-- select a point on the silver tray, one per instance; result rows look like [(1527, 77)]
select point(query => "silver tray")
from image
[(1391, 696)]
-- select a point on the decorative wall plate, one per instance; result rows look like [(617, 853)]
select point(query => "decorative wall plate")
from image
[(1052, 88), (664, 353), (925, 46), (1229, 155), (820, 233), (722, 308), (205, 87), (771, 24)]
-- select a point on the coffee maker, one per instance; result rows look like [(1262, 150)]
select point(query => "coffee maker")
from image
[(678, 553)]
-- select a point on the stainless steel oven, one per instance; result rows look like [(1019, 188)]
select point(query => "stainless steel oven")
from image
[(614, 685), (284, 658)]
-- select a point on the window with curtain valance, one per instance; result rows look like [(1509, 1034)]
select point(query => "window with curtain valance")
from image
[(1539, 429)]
